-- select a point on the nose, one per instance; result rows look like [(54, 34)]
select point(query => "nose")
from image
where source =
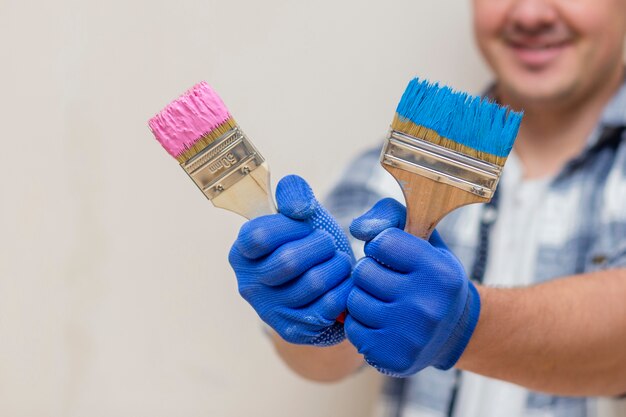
[(532, 16)]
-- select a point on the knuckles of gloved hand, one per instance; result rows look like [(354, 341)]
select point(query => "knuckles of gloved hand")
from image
[(261, 236), (287, 262), (402, 252), (404, 312), (294, 267)]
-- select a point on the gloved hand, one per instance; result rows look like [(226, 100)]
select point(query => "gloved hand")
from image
[(294, 267), (412, 305)]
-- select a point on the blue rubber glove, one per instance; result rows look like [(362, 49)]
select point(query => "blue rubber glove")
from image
[(294, 267), (412, 305)]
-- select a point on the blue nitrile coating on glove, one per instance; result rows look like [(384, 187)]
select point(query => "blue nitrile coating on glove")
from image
[(294, 267), (412, 305)]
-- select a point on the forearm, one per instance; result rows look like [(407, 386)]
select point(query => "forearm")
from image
[(565, 337), (322, 364)]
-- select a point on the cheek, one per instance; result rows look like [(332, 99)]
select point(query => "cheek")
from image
[(599, 23), (489, 19), (602, 50)]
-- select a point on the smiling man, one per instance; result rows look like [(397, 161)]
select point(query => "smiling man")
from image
[(538, 277)]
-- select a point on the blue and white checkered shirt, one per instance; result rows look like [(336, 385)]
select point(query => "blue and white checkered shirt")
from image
[(581, 227)]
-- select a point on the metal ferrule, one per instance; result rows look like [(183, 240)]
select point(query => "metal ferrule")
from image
[(440, 164), (223, 163)]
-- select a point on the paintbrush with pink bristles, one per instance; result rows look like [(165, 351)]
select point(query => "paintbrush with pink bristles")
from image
[(200, 133)]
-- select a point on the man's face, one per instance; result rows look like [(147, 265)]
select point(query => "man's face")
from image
[(551, 50)]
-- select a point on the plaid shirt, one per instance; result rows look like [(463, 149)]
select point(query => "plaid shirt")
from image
[(583, 229)]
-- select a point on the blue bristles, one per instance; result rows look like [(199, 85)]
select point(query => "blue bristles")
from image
[(467, 120)]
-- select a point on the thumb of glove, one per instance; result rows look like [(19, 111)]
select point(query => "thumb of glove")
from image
[(385, 214), (296, 200)]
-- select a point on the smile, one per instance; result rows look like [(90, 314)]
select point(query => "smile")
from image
[(538, 55)]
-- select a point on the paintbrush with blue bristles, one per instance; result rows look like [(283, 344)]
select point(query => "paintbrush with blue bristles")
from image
[(446, 149)]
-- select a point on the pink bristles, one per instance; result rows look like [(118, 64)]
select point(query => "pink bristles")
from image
[(185, 120)]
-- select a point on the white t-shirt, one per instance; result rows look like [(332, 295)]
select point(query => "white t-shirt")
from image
[(514, 232)]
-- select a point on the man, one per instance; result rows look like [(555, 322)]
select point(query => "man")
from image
[(547, 331)]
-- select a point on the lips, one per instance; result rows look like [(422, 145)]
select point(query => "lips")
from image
[(537, 53)]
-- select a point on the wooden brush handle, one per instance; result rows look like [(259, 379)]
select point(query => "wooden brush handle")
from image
[(428, 201), (251, 196)]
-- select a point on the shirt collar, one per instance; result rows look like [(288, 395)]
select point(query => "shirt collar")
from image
[(613, 117), (614, 113)]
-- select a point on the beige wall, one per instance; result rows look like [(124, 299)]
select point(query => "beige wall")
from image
[(116, 298)]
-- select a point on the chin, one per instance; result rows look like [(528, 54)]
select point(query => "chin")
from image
[(540, 92), (549, 85)]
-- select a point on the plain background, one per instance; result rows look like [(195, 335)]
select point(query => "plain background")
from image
[(116, 297)]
